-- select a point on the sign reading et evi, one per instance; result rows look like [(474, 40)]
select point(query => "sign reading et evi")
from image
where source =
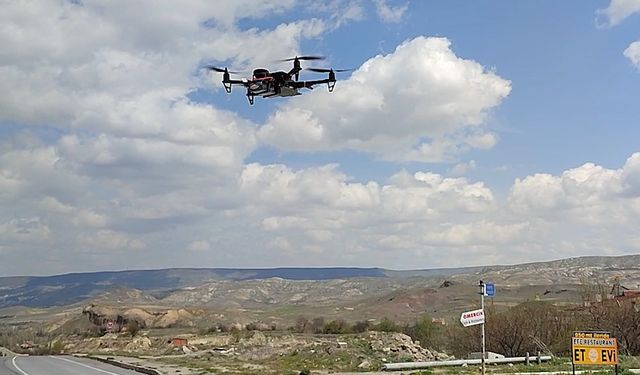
[(594, 348)]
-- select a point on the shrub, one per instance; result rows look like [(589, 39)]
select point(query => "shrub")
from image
[(338, 326), (387, 325)]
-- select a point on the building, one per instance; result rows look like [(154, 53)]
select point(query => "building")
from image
[(179, 341)]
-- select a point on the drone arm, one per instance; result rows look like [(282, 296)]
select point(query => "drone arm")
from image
[(309, 84), (295, 71), (227, 83)]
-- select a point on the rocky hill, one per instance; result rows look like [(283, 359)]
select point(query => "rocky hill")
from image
[(255, 288), (583, 270)]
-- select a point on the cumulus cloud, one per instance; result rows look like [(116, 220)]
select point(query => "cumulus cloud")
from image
[(588, 194), (462, 169), (633, 53), (388, 13), (435, 116), (616, 12), (585, 210), (318, 208)]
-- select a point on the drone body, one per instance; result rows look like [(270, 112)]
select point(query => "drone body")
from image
[(280, 83)]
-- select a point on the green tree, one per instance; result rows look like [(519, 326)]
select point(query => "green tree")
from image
[(422, 330), (387, 325)]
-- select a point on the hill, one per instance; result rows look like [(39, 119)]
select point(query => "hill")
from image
[(225, 287)]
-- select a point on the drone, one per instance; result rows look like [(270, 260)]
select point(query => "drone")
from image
[(280, 83)]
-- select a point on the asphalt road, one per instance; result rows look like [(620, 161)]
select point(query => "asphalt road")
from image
[(57, 365)]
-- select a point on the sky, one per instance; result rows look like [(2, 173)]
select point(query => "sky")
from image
[(467, 133)]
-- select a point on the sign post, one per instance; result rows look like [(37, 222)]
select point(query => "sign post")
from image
[(483, 290), (593, 348), (475, 317)]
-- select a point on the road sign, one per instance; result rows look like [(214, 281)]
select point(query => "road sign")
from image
[(594, 348), (472, 318), (489, 289)]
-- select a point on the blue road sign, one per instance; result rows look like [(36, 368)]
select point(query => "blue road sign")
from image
[(489, 289)]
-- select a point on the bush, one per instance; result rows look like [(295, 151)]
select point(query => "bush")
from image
[(57, 347), (302, 325), (317, 325), (422, 331), (133, 327), (336, 327), (361, 326), (387, 325)]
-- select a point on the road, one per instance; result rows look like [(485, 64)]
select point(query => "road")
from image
[(57, 365)]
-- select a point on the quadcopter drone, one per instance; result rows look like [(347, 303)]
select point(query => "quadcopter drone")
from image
[(272, 84)]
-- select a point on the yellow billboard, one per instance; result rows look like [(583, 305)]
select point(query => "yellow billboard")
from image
[(594, 348)]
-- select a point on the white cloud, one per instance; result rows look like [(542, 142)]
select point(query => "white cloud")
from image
[(617, 11), (110, 240), (438, 114), (199, 246), (462, 169), (319, 208), (633, 53), (631, 176), (32, 231), (341, 12), (388, 13), (588, 194), (478, 233)]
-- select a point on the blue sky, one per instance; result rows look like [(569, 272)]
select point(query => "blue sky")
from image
[(468, 133)]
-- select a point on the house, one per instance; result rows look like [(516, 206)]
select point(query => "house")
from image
[(178, 341)]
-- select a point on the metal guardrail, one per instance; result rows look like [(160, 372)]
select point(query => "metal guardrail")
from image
[(126, 366), (459, 362)]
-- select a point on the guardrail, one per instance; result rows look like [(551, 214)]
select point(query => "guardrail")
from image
[(126, 366), (459, 362)]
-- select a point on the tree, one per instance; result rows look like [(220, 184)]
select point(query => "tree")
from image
[(422, 330), (622, 319), (387, 325), (133, 327)]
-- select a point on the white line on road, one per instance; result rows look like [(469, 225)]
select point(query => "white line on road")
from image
[(16, 366), (84, 365)]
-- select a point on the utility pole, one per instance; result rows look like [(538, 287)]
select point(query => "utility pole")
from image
[(482, 292)]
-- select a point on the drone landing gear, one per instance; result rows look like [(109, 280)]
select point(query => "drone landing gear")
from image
[(250, 98)]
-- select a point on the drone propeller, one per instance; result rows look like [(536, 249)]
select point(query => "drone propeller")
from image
[(225, 70), (323, 70), (304, 58)]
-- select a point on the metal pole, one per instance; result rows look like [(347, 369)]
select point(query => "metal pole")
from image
[(485, 317)]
